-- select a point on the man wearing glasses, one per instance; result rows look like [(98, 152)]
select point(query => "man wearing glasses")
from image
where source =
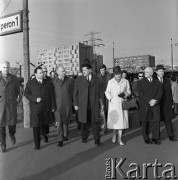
[(140, 75), (135, 84)]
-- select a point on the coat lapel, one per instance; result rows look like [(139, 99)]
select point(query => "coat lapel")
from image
[(65, 78), (93, 79), (85, 81), (38, 84), (8, 79)]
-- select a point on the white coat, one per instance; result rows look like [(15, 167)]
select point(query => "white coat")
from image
[(117, 117)]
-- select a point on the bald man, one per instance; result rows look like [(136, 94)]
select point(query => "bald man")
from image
[(9, 91), (63, 89), (150, 92)]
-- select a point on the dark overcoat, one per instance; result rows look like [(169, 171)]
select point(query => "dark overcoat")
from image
[(9, 92), (149, 90), (166, 100), (63, 98), (104, 83), (80, 98), (40, 113)]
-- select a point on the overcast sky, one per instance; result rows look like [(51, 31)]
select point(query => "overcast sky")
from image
[(137, 27)]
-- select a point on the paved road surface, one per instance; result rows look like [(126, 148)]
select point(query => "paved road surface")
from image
[(77, 161)]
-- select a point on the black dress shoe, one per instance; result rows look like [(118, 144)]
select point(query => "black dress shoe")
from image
[(79, 126), (106, 131), (173, 139), (45, 138), (3, 148), (156, 141), (148, 141), (13, 140), (37, 148), (60, 143), (65, 138), (98, 143), (84, 140)]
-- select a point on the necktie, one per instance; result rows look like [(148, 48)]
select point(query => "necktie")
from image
[(40, 82), (161, 80), (87, 78)]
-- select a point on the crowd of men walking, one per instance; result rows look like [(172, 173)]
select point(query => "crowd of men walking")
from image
[(89, 96)]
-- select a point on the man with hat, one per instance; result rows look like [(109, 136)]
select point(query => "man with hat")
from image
[(166, 103), (117, 90)]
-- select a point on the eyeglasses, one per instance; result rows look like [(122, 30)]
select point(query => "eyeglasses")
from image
[(140, 76)]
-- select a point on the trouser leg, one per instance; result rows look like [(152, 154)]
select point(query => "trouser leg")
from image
[(169, 129), (44, 130), (36, 136), (96, 131), (145, 130), (176, 108), (76, 114), (65, 129), (155, 126), (59, 131), (3, 135), (84, 131), (12, 130)]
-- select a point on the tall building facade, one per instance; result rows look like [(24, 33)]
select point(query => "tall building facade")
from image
[(135, 63), (97, 62), (71, 57)]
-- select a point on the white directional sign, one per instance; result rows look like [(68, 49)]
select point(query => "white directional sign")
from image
[(11, 24)]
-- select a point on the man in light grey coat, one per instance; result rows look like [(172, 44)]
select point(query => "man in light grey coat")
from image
[(9, 91), (63, 90)]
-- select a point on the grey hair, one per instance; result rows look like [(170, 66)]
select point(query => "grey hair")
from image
[(150, 70), (4, 62)]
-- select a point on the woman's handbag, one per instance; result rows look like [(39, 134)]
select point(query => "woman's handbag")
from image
[(129, 104)]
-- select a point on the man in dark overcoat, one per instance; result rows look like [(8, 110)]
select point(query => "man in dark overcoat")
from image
[(166, 103), (86, 99), (9, 91), (150, 92), (104, 78), (45, 127), (63, 90), (41, 96)]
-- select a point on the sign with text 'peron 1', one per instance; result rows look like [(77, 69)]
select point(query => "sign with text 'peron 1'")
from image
[(11, 24)]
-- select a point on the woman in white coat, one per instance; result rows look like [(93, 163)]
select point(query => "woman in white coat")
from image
[(117, 117)]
